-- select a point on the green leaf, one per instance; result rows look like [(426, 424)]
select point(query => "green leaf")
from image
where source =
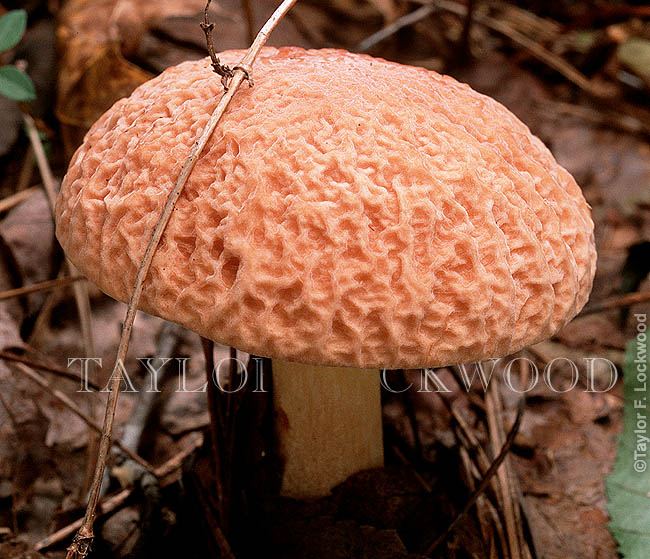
[(628, 486), (16, 84), (12, 28)]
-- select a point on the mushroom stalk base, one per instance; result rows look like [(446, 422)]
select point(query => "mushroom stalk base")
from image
[(328, 425)]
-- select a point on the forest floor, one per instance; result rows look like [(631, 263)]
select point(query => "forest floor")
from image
[(560, 67)]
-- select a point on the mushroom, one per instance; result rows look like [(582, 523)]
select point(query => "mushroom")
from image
[(349, 214)]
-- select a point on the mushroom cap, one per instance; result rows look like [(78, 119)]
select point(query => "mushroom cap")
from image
[(347, 211)]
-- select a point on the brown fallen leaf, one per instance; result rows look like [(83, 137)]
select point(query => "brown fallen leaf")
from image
[(103, 62), (27, 237), (563, 483), (93, 38), (15, 549), (120, 532)]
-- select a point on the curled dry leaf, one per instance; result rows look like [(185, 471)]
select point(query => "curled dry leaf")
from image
[(27, 236), (94, 72)]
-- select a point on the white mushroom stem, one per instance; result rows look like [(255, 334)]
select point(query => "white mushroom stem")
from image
[(328, 425)]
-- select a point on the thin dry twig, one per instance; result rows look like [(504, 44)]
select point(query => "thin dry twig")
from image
[(9, 410), (84, 537), (497, 525), (538, 51), (42, 286), (11, 201), (134, 430), (612, 117), (106, 506), (423, 482), (26, 171), (409, 409), (215, 529), (223, 70), (59, 371), (545, 29), (546, 56), (473, 446), (506, 489), (49, 182), (80, 290), (469, 467), (49, 185), (216, 424), (66, 401), (479, 465), (616, 302), (44, 314), (223, 410), (115, 501), (483, 483), (391, 29)]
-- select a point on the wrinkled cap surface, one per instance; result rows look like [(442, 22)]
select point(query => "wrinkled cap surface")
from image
[(346, 211)]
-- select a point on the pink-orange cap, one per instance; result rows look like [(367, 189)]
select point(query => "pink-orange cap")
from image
[(347, 211)]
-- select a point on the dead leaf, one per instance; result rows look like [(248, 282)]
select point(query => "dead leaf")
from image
[(15, 549), (591, 331), (94, 73), (121, 531), (107, 77), (27, 234)]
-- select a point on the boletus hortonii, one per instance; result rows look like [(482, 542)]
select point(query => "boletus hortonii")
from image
[(348, 214)]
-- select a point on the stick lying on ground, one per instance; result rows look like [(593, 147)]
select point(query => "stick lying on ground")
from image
[(83, 540), (113, 502)]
